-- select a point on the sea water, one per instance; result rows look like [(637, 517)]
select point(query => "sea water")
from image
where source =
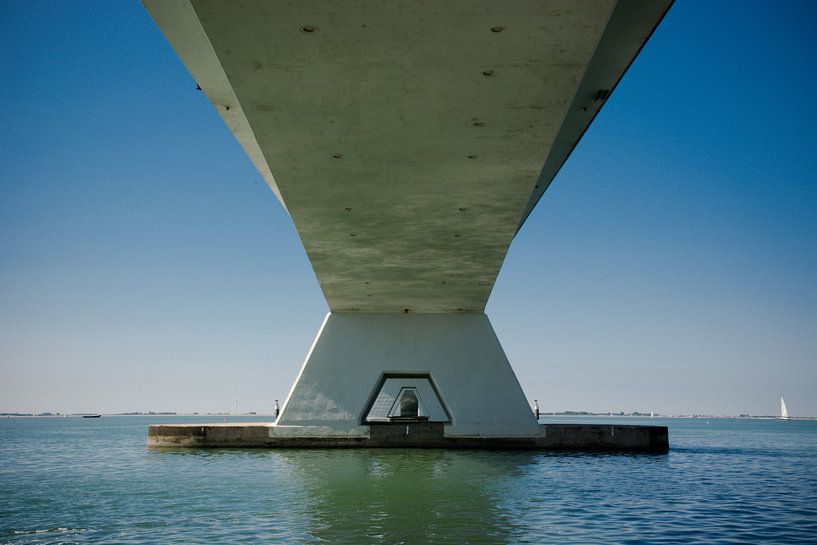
[(73, 480)]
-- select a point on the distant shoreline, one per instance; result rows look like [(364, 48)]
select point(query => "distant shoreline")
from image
[(569, 414), (79, 415), (572, 414)]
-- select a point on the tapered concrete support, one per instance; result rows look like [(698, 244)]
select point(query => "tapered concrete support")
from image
[(359, 364)]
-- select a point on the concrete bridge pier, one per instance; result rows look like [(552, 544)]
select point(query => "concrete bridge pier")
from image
[(408, 142), (409, 380), (361, 364)]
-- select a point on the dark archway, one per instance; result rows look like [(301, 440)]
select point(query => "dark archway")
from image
[(409, 406)]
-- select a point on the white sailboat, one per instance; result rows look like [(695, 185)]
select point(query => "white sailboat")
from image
[(784, 413)]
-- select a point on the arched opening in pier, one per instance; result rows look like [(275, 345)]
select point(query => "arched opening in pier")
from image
[(406, 397)]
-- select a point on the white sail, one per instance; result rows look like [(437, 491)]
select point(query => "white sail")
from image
[(784, 413)]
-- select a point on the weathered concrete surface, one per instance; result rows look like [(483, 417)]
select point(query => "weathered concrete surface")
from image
[(236, 436), (596, 437), (605, 437), (407, 140)]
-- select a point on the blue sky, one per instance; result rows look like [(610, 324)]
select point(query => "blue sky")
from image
[(671, 266)]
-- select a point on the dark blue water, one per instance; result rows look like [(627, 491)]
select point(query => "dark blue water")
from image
[(69, 480)]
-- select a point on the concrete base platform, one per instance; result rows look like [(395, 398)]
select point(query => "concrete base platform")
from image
[(595, 437)]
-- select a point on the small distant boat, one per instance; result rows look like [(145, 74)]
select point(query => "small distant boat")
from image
[(784, 412), (91, 416)]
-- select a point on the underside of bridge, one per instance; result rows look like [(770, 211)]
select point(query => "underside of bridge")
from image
[(408, 141)]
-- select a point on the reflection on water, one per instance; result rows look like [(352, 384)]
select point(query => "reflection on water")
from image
[(376, 495), (73, 481), (407, 496)]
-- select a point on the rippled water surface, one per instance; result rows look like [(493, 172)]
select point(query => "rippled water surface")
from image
[(70, 480)]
